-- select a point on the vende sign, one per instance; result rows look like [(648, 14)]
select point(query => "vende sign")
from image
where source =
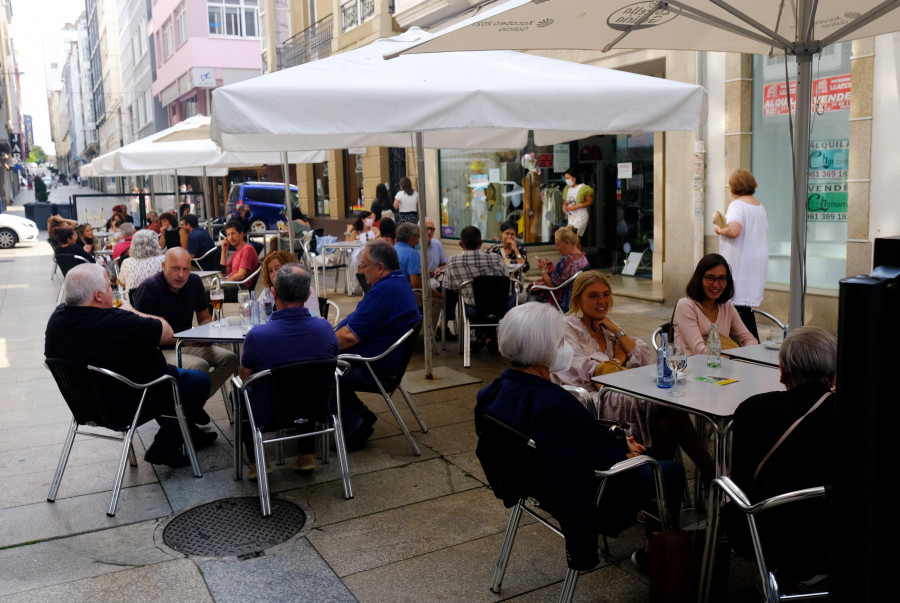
[(829, 94)]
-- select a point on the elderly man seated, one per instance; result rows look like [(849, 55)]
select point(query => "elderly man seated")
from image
[(784, 441), (385, 313), (292, 335), (411, 267), (89, 330)]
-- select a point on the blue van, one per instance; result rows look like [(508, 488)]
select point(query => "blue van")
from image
[(266, 201)]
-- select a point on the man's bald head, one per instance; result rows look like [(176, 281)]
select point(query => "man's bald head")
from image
[(176, 268)]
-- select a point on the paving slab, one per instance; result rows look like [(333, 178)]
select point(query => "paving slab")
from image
[(414, 382), (451, 439), (43, 564), (376, 540), (379, 491), (80, 514), (175, 581), (296, 573)]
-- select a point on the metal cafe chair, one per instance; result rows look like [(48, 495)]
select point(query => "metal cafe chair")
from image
[(299, 392), (96, 400), (553, 290), (387, 384), (207, 261), (512, 466), (772, 591), (491, 295)]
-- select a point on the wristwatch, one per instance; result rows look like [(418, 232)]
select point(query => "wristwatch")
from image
[(621, 333)]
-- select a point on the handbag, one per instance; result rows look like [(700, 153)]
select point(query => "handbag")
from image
[(614, 434)]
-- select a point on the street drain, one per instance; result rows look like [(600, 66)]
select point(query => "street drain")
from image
[(233, 527)]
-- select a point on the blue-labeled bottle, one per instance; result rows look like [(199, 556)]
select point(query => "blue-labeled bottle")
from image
[(663, 372)]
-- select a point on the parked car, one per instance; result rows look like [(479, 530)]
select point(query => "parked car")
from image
[(14, 229), (47, 181), (266, 201)]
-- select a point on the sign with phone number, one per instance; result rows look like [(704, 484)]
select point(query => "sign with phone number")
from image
[(826, 217)]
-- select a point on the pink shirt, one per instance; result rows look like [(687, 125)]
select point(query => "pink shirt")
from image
[(692, 327), (121, 247), (245, 257)]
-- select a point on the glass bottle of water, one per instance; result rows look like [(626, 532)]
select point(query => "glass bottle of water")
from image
[(714, 348), (663, 372)]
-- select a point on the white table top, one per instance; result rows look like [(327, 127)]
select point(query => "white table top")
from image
[(208, 333), (206, 273), (344, 245), (701, 398), (760, 354)]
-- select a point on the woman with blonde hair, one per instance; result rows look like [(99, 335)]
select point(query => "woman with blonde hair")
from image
[(573, 260), (601, 346)]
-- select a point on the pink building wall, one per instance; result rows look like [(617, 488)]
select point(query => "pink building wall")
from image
[(200, 50)]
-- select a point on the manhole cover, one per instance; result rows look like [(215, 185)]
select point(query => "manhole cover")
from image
[(233, 527)]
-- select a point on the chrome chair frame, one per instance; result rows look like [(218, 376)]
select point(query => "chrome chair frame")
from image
[(771, 589), (464, 339), (126, 438), (568, 588), (197, 261), (552, 290), (351, 358), (240, 387)]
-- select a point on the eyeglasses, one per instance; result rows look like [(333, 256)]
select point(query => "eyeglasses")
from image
[(430, 228), (709, 278), (364, 266)]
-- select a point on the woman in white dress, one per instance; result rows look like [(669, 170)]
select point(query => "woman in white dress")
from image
[(144, 260), (363, 230), (406, 203), (579, 196), (742, 242)]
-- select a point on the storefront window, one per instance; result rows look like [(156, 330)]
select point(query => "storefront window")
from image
[(828, 154), (487, 188)]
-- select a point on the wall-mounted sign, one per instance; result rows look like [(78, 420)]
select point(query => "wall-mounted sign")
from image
[(624, 171), (203, 77), (828, 94)]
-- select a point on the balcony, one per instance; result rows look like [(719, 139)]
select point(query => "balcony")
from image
[(311, 44), (355, 12)]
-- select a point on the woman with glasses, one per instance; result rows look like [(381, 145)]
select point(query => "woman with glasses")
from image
[(708, 301)]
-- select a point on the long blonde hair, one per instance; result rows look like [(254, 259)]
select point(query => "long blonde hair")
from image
[(585, 280)]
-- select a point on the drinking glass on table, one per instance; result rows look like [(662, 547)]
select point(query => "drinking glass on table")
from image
[(216, 297), (677, 361), (117, 298)]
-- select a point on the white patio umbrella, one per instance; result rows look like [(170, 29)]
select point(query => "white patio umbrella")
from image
[(186, 149), (455, 100), (801, 28)]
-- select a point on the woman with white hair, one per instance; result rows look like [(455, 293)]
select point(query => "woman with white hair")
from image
[(569, 442), (145, 260), (784, 441)]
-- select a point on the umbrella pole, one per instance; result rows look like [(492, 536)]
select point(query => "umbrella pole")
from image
[(206, 209), (801, 179), (287, 201), (423, 253)]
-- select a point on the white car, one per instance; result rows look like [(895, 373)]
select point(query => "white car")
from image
[(14, 229)]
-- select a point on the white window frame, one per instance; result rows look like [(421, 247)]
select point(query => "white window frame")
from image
[(180, 26), (232, 17)]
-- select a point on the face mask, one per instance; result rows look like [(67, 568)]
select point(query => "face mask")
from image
[(369, 221), (563, 359), (570, 182)]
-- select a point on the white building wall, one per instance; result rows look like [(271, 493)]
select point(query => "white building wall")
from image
[(884, 209)]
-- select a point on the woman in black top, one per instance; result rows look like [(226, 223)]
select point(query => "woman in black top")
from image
[(169, 232), (69, 245)]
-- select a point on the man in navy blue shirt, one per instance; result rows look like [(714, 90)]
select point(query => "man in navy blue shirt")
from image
[(410, 260), (386, 312), (199, 242), (292, 335)]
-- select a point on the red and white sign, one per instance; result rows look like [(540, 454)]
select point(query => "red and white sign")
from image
[(828, 94)]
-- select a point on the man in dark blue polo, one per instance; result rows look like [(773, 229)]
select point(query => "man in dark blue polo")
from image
[(178, 295), (199, 242), (386, 312), (292, 335)]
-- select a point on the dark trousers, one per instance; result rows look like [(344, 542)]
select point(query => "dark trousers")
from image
[(746, 314), (352, 408), (193, 388)]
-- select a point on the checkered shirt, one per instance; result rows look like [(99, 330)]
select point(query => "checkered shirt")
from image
[(468, 265)]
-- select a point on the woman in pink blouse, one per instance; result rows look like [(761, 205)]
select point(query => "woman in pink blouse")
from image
[(708, 301), (601, 346)]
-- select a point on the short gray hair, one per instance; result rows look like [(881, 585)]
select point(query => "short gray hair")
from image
[(382, 252), (126, 228), (145, 244), (406, 231), (82, 282), (808, 355), (292, 283), (531, 334)]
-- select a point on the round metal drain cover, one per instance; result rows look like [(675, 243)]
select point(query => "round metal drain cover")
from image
[(233, 527)]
